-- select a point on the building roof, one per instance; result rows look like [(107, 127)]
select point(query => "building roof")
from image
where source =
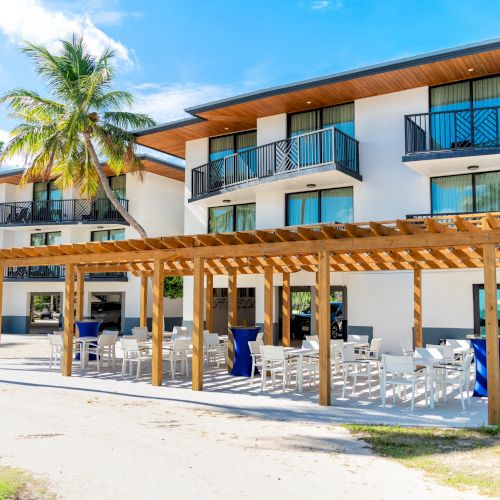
[(241, 112)]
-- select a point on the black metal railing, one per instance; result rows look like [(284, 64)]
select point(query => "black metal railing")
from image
[(60, 212), (452, 130), (28, 273), (323, 147)]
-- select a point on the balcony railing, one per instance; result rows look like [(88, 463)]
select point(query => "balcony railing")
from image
[(49, 273), (452, 130), (60, 212), (323, 147)]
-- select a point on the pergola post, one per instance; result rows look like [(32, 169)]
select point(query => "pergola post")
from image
[(316, 305), (209, 303), (197, 371), (268, 305), (286, 312), (158, 322), (232, 297), (143, 319), (1, 300), (323, 298), (491, 316), (69, 320), (417, 307), (80, 287)]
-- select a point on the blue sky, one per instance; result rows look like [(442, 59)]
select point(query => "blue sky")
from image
[(176, 53)]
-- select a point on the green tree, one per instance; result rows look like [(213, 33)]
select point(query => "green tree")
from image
[(84, 119), (172, 287)]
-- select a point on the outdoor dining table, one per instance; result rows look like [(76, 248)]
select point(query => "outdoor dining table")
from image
[(300, 354), (481, 384)]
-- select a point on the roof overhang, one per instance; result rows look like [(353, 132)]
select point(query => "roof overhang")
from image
[(241, 112)]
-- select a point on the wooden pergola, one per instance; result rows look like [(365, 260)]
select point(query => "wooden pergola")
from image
[(446, 242)]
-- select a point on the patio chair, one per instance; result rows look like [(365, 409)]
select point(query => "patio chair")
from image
[(400, 371), (354, 368), (312, 338), (457, 375), (254, 346), (372, 353), (213, 349), (179, 352), (446, 351), (139, 335), (275, 361), (142, 329), (359, 339), (407, 351), (56, 342), (181, 331), (461, 345), (260, 337), (104, 350), (133, 354)]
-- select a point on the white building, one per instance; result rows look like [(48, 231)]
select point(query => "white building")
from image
[(413, 136), (40, 214)]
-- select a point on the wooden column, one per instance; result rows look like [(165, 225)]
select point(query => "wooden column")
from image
[(143, 319), (286, 312), (268, 305), (209, 303), (158, 322), (1, 299), (198, 276), (69, 320), (232, 297), (316, 304), (80, 287), (491, 316), (323, 298), (417, 307)]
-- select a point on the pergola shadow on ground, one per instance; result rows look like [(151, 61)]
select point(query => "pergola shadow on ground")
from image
[(416, 245)]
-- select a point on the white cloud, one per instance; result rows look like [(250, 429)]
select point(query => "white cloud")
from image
[(322, 5), (32, 20)]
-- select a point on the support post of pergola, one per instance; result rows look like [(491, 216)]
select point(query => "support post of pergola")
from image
[(323, 297), (80, 288), (209, 303), (1, 300), (232, 297), (158, 322), (143, 318), (417, 307), (268, 305), (69, 315), (491, 317), (316, 305), (286, 312), (197, 370)]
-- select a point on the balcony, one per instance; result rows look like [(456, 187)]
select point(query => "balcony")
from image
[(447, 142), (323, 150), (55, 273), (79, 211)]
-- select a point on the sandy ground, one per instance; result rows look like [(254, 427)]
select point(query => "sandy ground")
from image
[(106, 438)]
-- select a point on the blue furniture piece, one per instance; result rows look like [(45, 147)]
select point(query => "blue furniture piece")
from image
[(481, 386), (242, 363), (88, 328)]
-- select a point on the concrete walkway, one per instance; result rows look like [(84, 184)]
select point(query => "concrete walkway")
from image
[(98, 436)]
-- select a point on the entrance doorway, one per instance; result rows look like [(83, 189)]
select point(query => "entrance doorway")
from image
[(45, 312), (245, 308), (480, 309), (106, 307)]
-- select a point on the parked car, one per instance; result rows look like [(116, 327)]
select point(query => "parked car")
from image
[(301, 322), (46, 313)]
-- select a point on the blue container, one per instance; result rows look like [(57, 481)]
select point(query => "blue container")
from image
[(88, 328), (242, 363), (481, 386)]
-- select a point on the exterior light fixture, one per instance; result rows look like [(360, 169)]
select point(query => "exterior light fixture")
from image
[(310, 186), (37, 229), (100, 227), (470, 70), (226, 128), (226, 201), (473, 167), (308, 102)]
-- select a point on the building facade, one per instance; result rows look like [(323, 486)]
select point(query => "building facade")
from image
[(40, 214)]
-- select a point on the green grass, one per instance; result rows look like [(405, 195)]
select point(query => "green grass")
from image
[(16, 484), (461, 458)]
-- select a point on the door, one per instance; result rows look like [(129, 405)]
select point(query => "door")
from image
[(45, 312), (106, 307), (479, 309)]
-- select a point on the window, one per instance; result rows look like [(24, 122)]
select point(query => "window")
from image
[(466, 193), (118, 186), (312, 207), (44, 191), (108, 235), (42, 239), (231, 218), (230, 144)]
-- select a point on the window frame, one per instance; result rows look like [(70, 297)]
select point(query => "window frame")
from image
[(48, 190), (234, 215), (45, 236), (319, 191), (474, 194), (105, 230), (110, 177), (233, 135)]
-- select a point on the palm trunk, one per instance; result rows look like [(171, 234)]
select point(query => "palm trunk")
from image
[(107, 188)]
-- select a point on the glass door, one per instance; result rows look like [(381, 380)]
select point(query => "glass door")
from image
[(479, 309)]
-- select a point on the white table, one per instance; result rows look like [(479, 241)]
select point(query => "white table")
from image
[(431, 358), (300, 353), (84, 343)]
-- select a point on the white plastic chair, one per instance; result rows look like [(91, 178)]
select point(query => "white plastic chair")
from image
[(56, 349), (400, 371), (359, 339), (254, 346), (372, 353), (181, 331), (179, 352), (407, 351), (214, 351), (105, 350), (457, 375), (139, 335), (133, 354), (354, 368), (143, 329), (274, 361), (260, 337), (446, 351), (312, 338)]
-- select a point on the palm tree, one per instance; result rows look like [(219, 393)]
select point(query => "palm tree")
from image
[(62, 137)]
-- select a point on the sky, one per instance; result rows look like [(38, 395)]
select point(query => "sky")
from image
[(172, 54)]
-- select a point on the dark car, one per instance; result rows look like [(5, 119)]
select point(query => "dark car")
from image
[(301, 322), (46, 313)]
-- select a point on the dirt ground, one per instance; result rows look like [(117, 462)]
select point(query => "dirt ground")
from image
[(99, 438)]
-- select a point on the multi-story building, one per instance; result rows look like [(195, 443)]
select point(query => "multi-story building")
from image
[(40, 214), (414, 136)]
